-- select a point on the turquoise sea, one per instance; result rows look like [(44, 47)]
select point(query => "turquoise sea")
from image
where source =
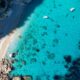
[(44, 43)]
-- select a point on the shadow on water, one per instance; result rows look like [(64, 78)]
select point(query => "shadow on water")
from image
[(27, 11)]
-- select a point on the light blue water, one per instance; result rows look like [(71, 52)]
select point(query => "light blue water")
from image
[(46, 41)]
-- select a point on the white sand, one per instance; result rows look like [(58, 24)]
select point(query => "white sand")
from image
[(6, 41)]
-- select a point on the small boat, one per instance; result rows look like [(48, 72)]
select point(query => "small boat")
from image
[(45, 17), (72, 9), (10, 55)]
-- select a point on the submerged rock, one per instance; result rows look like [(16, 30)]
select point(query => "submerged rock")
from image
[(44, 62), (57, 77), (68, 58), (33, 60), (50, 56), (55, 42), (38, 77), (24, 62)]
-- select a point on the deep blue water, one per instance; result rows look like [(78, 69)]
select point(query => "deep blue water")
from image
[(45, 42)]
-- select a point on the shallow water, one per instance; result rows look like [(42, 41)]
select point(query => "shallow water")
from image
[(44, 42)]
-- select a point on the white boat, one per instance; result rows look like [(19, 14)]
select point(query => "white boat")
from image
[(72, 9), (45, 17), (10, 55)]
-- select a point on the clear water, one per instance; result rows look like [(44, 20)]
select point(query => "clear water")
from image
[(45, 42)]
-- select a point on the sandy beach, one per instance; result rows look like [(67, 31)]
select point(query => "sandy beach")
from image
[(4, 44), (6, 41)]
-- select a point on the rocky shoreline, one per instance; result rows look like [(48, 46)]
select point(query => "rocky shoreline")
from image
[(6, 68)]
